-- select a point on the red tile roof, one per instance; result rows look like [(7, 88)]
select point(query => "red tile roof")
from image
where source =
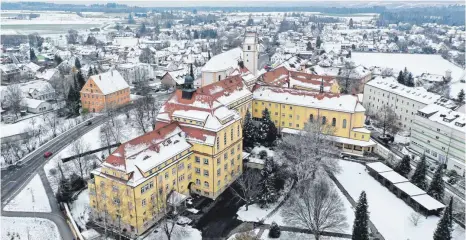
[(280, 76)]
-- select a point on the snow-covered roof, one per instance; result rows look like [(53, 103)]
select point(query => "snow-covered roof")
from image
[(445, 116), (409, 188), (428, 202), (328, 101), (224, 61), (32, 103), (47, 74), (390, 84), (110, 82), (32, 66), (379, 167), (393, 177)]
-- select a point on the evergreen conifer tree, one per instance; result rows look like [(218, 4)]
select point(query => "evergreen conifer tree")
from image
[(443, 231), (268, 193), (81, 81), (450, 209), (249, 132), (409, 80), (401, 78), (274, 230), (437, 186), (32, 55), (403, 167), (361, 218), (267, 129), (461, 96), (419, 176), (90, 72), (77, 63), (95, 71)]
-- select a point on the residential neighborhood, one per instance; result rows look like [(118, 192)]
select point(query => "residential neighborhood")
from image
[(202, 120)]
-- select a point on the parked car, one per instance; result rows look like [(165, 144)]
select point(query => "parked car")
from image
[(89, 123), (47, 154)]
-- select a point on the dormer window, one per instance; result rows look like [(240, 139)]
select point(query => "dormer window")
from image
[(458, 124), (249, 47)]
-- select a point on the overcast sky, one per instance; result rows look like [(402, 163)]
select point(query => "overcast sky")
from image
[(185, 3)]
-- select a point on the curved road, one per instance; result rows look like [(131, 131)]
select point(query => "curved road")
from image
[(13, 181)]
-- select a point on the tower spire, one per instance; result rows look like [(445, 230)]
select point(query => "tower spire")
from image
[(321, 90)]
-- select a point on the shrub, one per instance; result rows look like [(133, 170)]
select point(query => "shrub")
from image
[(53, 171), (263, 154), (76, 182), (274, 230)]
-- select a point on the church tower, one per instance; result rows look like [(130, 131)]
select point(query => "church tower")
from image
[(250, 52)]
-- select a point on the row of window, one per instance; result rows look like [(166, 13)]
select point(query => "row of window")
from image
[(231, 136)]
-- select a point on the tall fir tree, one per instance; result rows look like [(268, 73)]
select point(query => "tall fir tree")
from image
[(361, 218), (81, 81), (460, 97), (32, 55), (443, 231), (267, 129), (249, 132), (96, 71), (450, 209), (419, 176), (268, 192), (90, 72), (77, 63), (437, 186), (409, 81), (401, 78), (404, 167)]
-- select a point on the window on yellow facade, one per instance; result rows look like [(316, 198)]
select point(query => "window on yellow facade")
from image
[(311, 117), (218, 143), (218, 172), (218, 160), (225, 155), (225, 138), (232, 162), (231, 134), (206, 161), (334, 122), (189, 176), (255, 110), (198, 159), (344, 123), (324, 120), (232, 151), (225, 167), (218, 183), (206, 184), (166, 175), (198, 170), (297, 125), (198, 182), (237, 131), (289, 124), (189, 165), (143, 202), (173, 171), (206, 173)]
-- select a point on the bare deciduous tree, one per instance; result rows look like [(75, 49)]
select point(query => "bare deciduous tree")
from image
[(386, 119), (316, 205), (415, 218), (52, 122), (247, 187), (311, 150), (110, 134), (79, 147), (13, 98)]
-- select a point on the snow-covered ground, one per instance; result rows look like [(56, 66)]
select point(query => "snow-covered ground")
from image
[(278, 218), (255, 213), (286, 236), (93, 141), (389, 213), (32, 198), (256, 150), (416, 63), (80, 209), (28, 228), (179, 233)]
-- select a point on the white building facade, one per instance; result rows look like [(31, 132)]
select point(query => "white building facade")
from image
[(405, 101), (439, 132)]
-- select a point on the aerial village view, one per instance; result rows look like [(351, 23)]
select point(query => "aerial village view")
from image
[(232, 120)]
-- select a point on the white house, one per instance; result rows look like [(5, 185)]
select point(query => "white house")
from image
[(36, 106)]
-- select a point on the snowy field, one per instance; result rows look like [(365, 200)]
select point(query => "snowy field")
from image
[(179, 233), (32, 198), (416, 63), (287, 236), (28, 228), (389, 213), (80, 209)]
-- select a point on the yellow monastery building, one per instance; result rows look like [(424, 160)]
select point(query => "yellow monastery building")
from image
[(196, 147)]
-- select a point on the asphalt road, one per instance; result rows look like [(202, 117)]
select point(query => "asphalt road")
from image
[(12, 181)]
